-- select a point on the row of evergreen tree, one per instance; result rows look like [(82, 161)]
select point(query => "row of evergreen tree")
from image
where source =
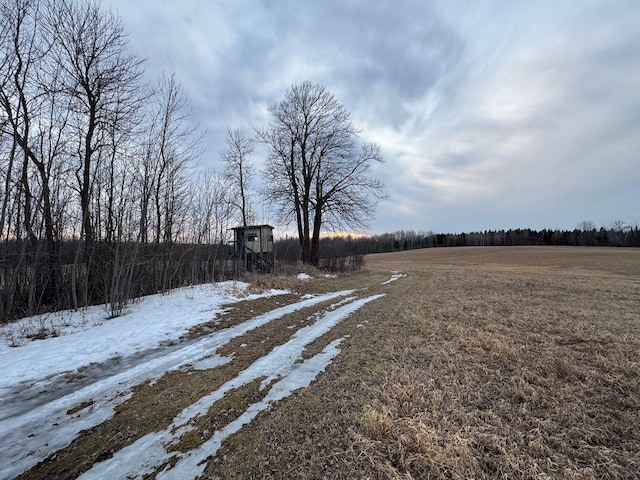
[(408, 240)]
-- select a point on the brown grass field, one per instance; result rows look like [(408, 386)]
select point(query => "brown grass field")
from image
[(489, 362)]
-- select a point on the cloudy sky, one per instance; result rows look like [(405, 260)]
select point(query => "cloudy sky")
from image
[(493, 114)]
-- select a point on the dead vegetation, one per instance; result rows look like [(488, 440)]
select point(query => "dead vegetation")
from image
[(481, 363)]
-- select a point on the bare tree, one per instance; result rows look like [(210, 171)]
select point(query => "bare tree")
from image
[(617, 233), (239, 170), (619, 226), (177, 147), (587, 230), (36, 122), (317, 171), (173, 148), (211, 209), (18, 89), (586, 226), (101, 79), (145, 176)]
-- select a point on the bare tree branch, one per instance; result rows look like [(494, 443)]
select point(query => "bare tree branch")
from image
[(316, 170)]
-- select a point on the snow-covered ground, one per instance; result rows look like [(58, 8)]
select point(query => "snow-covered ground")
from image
[(95, 361), (151, 321), (277, 366)]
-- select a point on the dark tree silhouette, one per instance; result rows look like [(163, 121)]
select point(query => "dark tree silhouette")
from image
[(317, 172)]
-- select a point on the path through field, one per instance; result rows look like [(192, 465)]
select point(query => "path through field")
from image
[(45, 408)]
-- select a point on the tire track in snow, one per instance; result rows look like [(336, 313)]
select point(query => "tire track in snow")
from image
[(149, 452), (30, 437)]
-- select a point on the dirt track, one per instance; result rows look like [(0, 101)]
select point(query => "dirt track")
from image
[(487, 362)]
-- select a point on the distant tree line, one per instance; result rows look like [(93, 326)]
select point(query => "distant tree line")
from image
[(617, 235), (99, 202)]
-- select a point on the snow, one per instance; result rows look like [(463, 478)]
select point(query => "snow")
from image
[(395, 276), (193, 463), (303, 276), (88, 336), (279, 366), (95, 362)]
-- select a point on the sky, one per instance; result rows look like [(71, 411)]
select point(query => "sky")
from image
[(490, 114)]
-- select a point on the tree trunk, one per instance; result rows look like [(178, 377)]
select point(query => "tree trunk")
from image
[(85, 189), (305, 243), (314, 253)]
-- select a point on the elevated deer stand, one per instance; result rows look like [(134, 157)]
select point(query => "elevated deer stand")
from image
[(253, 249)]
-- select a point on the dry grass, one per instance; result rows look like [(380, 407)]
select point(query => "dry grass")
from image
[(481, 363), (261, 283), (532, 371), (286, 278)]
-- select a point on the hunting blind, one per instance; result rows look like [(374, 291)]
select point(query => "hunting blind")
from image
[(254, 247)]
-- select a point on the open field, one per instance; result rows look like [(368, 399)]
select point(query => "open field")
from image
[(492, 362)]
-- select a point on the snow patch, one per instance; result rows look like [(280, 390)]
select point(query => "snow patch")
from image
[(395, 276), (210, 362), (88, 337), (35, 396), (279, 366)]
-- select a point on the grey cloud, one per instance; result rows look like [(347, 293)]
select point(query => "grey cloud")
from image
[(488, 113), (380, 56)]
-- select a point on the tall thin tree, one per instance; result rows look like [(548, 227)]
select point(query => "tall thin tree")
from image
[(239, 170), (101, 79)]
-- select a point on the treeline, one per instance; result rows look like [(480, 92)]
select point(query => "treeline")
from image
[(615, 236), (98, 197), (99, 201)]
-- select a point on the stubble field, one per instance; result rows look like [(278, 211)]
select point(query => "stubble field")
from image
[(479, 363), (482, 362)]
